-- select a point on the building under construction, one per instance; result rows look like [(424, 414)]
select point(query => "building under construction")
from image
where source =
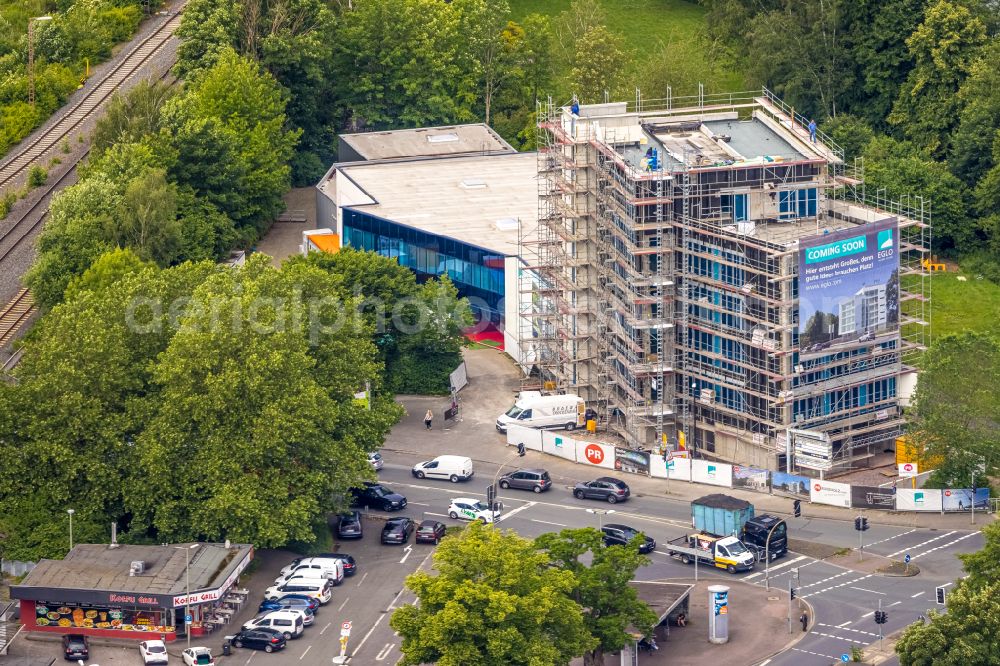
[(706, 269)]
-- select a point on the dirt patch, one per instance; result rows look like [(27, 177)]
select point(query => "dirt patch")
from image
[(820, 551)]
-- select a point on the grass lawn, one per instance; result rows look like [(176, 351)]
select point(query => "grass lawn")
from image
[(963, 306), (647, 25)]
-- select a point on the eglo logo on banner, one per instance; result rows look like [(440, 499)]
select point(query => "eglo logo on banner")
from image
[(710, 472)]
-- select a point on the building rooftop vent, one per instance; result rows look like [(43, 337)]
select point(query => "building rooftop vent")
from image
[(136, 568), (507, 224), (448, 137), (473, 184)]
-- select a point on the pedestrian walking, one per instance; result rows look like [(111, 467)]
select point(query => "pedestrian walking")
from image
[(812, 131), (428, 417)]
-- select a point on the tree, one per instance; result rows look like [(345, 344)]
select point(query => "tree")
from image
[(599, 64), (968, 634), (983, 566), (955, 409), (943, 48), (495, 601), (132, 116), (851, 133), (492, 45), (611, 607), (107, 270), (147, 221), (971, 147)]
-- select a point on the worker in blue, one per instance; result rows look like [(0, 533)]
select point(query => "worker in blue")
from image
[(574, 111), (812, 131)]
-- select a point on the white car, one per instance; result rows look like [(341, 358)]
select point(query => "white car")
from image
[(198, 656), (375, 459), (153, 652), (466, 508), (313, 568)]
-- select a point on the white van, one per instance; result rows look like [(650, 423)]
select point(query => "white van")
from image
[(453, 468), (314, 568), (290, 623), (535, 410)]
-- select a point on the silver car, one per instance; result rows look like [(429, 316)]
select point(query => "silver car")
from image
[(375, 459), (527, 479)]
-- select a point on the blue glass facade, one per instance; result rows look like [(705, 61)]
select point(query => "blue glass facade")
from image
[(477, 273)]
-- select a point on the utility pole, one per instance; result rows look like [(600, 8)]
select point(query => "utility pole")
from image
[(31, 56)]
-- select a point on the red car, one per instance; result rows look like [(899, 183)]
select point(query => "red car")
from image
[(430, 531)]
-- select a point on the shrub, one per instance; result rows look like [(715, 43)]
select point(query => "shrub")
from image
[(7, 202), (37, 176)]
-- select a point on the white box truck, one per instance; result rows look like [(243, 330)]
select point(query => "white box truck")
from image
[(535, 410)]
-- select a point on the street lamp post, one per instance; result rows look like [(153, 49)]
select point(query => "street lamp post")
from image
[(187, 581), (600, 513), (767, 558), (70, 512), (517, 454), (31, 56)]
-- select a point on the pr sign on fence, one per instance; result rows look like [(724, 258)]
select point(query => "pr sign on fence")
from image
[(872, 497), (828, 492), (960, 499), (596, 454)]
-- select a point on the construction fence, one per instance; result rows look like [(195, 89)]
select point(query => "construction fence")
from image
[(817, 491)]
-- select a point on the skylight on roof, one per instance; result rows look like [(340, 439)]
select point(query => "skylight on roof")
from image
[(507, 224), (448, 137), (473, 183)]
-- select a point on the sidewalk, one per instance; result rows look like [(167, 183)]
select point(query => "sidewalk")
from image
[(493, 385)]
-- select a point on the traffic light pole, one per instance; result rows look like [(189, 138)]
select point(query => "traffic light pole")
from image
[(880, 627), (789, 605)]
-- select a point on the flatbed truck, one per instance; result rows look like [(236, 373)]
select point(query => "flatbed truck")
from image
[(721, 552)]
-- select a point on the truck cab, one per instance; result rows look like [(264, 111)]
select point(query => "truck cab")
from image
[(756, 531), (727, 553)]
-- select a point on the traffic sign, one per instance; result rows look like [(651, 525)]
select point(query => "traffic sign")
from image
[(345, 629), (187, 619), (845, 658), (906, 558)]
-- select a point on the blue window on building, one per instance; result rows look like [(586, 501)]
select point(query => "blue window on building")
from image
[(477, 273), (797, 203)]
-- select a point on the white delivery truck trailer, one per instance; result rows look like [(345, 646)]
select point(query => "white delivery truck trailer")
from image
[(535, 410)]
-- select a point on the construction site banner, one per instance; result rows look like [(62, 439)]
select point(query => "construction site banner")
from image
[(829, 492), (873, 497), (908, 499), (596, 454), (530, 437), (715, 474), (631, 461), (848, 288), (559, 445), (783, 483), (960, 499), (680, 468), (752, 478)]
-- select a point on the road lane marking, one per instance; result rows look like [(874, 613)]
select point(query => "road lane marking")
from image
[(875, 543), (843, 624), (776, 567), (828, 578), (834, 587), (304, 653), (868, 614), (864, 589), (439, 515), (377, 622), (921, 545), (250, 657), (817, 654), (363, 578), (342, 606), (764, 663), (418, 503), (515, 511), (914, 596), (944, 545), (546, 522), (385, 652), (409, 551), (323, 630), (841, 638), (843, 628), (893, 604)]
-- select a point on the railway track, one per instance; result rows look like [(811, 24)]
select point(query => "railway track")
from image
[(15, 314), (90, 102)]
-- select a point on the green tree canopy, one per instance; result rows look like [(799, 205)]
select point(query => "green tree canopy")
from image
[(611, 607), (598, 64), (495, 601), (968, 634)]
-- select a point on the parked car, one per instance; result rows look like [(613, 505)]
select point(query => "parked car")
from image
[(197, 656), (375, 458), (350, 565), (527, 479), (319, 589), (291, 601), (309, 567), (349, 526), (153, 652), (378, 496), (267, 640), (430, 531), (291, 623), (75, 646), (622, 535), (605, 488), (397, 530), (466, 508)]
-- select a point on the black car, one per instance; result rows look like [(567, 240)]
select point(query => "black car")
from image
[(378, 496), (349, 526), (622, 535), (397, 530), (430, 531), (350, 565), (75, 646), (263, 638), (605, 488)]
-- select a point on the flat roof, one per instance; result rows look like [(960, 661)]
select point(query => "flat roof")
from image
[(479, 200), (105, 568), (661, 596), (427, 141)]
